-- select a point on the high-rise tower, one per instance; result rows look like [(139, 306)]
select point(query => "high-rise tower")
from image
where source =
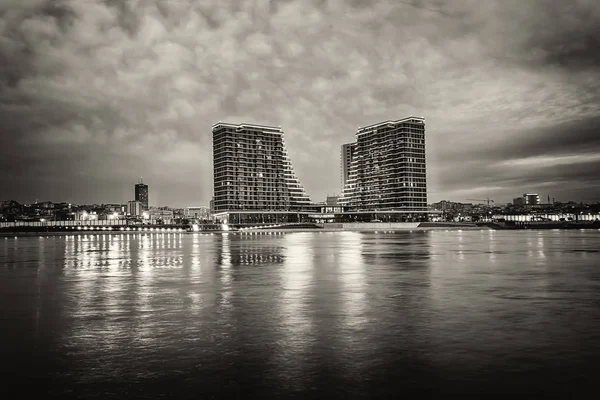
[(252, 170), (387, 169), (141, 193)]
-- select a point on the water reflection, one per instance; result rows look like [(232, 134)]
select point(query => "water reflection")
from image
[(226, 273), (296, 281), (306, 313), (251, 250), (491, 241), (113, 287), (460, 245), (353, 280)]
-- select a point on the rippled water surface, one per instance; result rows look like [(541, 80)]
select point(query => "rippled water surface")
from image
[(302, 315)]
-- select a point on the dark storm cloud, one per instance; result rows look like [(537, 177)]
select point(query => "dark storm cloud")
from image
[(95, 93), (126, 16), (555, 159), (573, 137), (568, 36), (544, 176), (579, 137)]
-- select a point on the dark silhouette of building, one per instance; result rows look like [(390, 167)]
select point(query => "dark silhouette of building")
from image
[(252, 170), (141, 194), (387, 169), (346, 161)]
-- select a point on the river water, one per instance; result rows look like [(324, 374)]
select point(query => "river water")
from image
[(301, 315)]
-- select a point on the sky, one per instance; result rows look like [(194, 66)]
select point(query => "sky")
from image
[(95, 94)]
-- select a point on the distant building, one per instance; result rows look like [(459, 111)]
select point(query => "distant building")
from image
[(200, 213), (135, 208), (531, 199), (114, 208), (45, 204), (528, 199), (388, 171), (252, 170), (346, 158), (446, 205), (519, 201), (86, 216), (141, 194), (178, 213), (160, 214)]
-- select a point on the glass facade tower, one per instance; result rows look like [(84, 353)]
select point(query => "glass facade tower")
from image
[(141, 194), (387, 169), (252, 170)]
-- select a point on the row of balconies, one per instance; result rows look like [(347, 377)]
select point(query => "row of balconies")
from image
[(371, 173), (391, 139), (391, 205), (250, 161), (392, 128), (365, 145), (392, 197), (390, 158), (230, 175), (367, 164), (274, 135), (234, 145), (395, 184)]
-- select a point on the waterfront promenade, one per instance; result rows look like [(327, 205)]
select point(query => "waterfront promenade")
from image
[(301, 227)]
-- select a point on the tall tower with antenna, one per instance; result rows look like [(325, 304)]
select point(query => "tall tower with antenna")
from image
[(141, 193)]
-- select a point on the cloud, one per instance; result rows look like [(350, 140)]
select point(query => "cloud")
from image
[(95, 93)]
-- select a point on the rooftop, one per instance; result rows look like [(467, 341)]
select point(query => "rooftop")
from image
[(246, 125), (389, 122)]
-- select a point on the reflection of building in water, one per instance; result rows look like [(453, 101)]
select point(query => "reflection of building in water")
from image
[(251, 250), (353, 279), (297, 281), (397, 248), (88, 252)]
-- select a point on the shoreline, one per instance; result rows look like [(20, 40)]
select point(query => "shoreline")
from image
[(384, 228), (237, 232)]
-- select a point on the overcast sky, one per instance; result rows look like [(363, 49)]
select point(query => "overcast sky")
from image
[(95, 94)]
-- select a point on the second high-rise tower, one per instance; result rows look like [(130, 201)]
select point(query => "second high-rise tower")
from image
[(387, 170)]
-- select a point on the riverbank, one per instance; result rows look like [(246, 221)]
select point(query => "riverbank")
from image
[(331, 227)]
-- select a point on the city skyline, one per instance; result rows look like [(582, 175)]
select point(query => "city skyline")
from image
[(95, 94)]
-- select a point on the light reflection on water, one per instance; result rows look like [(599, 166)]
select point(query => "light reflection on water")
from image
[(344, 314)]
